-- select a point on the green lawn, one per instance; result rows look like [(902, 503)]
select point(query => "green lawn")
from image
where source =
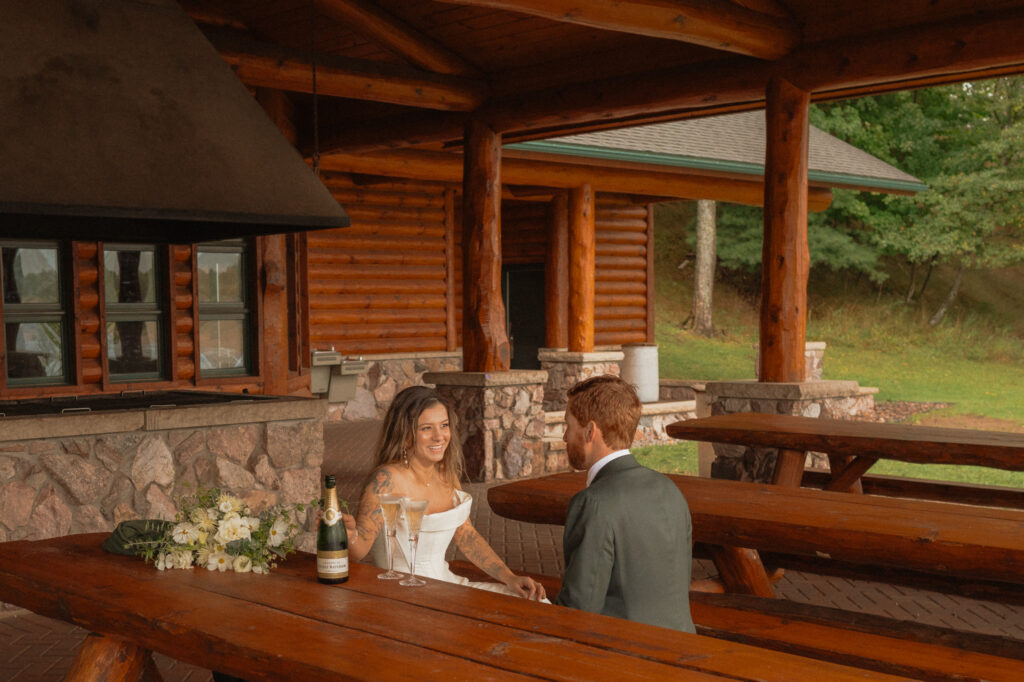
[(901, 368)]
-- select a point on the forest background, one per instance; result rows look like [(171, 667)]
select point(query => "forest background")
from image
[(921, 296)]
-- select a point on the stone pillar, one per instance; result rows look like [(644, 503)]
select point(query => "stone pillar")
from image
[(827, 399), (814, 360), (501, 420), (566, 368)]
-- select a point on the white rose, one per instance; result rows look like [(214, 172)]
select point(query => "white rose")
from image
[(242, 564), (231, 530)]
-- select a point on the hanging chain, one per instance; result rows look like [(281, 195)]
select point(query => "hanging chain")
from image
[(316, 113)]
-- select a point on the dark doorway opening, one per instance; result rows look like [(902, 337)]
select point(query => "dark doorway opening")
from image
[(522, 288)]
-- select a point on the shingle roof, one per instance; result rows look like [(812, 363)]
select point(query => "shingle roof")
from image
[(732, 143)]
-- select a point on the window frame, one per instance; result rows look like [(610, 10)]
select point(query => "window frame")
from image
[(243, 310), (35, 313), (156, 311)]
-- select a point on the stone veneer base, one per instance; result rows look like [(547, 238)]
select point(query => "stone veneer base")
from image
[(62, 474), (565, 369), (828, 399), (501, 420)]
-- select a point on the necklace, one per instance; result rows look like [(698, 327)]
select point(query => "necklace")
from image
[(433, 472)]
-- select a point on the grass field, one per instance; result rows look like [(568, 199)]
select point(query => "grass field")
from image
[(974, 360)]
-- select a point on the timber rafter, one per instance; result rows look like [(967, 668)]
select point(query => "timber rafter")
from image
[(953, 50), (767, 33), (386, 30), (271, 66), (418, 164)]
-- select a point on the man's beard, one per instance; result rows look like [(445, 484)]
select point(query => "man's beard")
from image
[(577, 457)]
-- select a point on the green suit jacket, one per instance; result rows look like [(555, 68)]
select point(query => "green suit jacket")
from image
[(628, 547)]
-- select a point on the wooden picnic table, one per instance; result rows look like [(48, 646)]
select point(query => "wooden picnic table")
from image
[(854, 445), (288, 626), (982, 543)]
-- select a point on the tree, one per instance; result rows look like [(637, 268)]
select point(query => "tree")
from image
[(704, 270)]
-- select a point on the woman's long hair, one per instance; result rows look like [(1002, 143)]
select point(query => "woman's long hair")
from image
[(399, 431)]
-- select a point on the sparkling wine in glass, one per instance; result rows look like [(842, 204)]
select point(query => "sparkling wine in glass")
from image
[(414, 510), (389, 505)]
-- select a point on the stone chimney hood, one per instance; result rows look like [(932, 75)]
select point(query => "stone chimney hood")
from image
[(119, 121)]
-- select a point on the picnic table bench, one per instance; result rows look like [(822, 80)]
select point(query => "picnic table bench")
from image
[(854, 446), (863, 640), (982, 543), (287, 626)]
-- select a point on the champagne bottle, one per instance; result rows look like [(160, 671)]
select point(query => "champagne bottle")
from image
[(331, 539)]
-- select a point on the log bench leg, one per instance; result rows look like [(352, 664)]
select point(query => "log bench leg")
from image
[(741, 570), (789, 468), (108, 659)]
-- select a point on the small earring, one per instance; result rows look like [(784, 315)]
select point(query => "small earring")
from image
[(405, 458)]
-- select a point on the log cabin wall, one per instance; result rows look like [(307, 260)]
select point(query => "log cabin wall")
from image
[(380, 286), (623, 286)]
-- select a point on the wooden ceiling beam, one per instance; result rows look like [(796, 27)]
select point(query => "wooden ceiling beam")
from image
[(447, 167), (373, 23), (271, 66), (718, 24), (968, 47)]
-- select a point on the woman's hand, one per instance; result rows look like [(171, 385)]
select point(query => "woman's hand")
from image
[(350, 526), (526, 587)]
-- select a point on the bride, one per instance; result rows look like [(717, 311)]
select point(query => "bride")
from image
[(417, 458)]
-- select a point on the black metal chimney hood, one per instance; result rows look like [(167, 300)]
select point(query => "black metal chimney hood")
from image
[(120, 122)]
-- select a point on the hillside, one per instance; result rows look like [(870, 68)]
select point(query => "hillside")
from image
[(974, 359)]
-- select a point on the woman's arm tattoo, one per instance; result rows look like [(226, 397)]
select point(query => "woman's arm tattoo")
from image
[(480, 553)]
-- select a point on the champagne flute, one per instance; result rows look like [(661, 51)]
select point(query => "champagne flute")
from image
[(389, 505), (414, 510)]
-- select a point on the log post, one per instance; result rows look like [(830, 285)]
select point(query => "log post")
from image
[(556, 273), (581, 269), (485, 346), (785, 259), (274, 294), (108, 658)]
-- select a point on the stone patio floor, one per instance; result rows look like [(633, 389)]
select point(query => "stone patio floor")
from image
[(37, 649)]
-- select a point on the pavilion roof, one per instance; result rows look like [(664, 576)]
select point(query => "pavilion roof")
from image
[(733, 144)]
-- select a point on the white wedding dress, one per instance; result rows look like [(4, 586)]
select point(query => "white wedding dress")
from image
[(436, 533)]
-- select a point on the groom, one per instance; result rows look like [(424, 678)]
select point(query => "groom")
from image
[(627, 534)]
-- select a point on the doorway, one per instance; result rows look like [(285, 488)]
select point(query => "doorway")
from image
[(522, 288)]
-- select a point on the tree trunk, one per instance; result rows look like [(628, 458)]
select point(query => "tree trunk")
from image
[(927, 276), (704, 273), (950, 297), (913, 282)]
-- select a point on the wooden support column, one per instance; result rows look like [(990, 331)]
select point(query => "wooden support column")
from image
[(485, 346), (110, 659), (785, 259), (556, 273), (581, 269), (274, 292)]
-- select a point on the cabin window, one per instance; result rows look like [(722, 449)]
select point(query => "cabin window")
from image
[(35, 327), (224, 317), (134, 315)]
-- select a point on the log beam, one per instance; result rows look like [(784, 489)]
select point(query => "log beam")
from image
[(556, 273), (659, 182), (718, 24), (274, 318), (485, 346), (271, 66), (581, 269), (785, 258), (974, 46), (370, 21)]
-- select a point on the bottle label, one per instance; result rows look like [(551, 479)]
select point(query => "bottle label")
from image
[(333, 564), (331, 516)]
